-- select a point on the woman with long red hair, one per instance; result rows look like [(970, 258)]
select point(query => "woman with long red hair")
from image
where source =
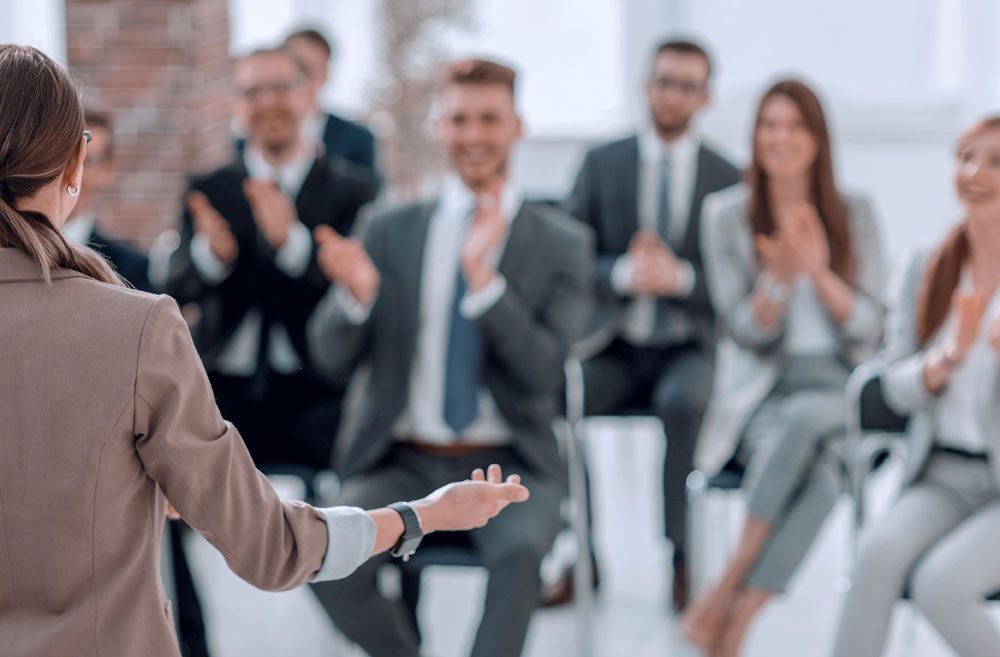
[(943, 353), (794, 269)]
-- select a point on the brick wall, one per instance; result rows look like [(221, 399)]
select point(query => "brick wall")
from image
[(162, 67)]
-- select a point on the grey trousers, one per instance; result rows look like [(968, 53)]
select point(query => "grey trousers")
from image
[(941, 539), (511, 548), (793, 468)]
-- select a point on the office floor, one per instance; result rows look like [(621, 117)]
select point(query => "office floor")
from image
[(632, 620)]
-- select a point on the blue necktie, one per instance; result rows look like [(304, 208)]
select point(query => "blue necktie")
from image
[(663, 201), (461, 376)]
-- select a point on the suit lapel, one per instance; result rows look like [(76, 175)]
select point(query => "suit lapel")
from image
[(701, 177), (412, 246), (630, 190), (515, 264)]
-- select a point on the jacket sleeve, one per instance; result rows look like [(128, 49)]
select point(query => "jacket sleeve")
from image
[(205, 471), (731, 277), (865, 324), (534, 347), (903, 382), (584, 204)]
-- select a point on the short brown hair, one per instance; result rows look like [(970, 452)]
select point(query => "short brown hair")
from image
[(478, 71), (313, 36), (685, 47)]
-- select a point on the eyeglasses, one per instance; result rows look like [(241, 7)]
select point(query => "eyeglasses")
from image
[(88, 136), (687, 87)]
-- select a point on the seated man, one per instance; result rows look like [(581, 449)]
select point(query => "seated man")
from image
[(465, 307), (98, 177), (248, 262), (642, 196)]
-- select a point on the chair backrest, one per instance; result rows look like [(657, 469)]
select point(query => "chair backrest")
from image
[(874, 413)]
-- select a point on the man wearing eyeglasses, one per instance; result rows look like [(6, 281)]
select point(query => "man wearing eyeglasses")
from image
[(247, 264), (642, 196), (98, 178)]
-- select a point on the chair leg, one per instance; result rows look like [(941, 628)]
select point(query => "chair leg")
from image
[(409, 580)]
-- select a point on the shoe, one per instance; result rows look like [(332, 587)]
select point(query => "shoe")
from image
[(681, 587), (563, 590)]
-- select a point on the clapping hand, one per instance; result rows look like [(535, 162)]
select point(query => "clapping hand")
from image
[(472, 503), (995, 335), (811, 247), (482, 239), (273, 212), (655, 268), (969, 310), (344, 261), (213, 227)]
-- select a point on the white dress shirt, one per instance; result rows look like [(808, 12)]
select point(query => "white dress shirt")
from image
[(682, 153), (809, 328), (313, 128), (239, 357), (80, 228), (962, 417)]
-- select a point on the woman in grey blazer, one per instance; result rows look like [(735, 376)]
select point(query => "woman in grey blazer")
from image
[(106, 413), (794, 271), (943, 371)]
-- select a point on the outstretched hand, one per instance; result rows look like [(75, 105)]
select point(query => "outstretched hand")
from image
[(472, 503)]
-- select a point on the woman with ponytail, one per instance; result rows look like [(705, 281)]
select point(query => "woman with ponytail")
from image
[(940, 540), (106, 414)]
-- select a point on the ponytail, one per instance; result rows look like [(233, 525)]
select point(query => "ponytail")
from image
[(32, 233)]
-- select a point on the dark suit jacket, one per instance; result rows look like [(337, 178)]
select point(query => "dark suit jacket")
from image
[(526, 334), (351, 141), (606, 197), (331, 194), (130, 263)]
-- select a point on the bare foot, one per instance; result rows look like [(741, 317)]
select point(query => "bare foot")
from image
[(705, 619)]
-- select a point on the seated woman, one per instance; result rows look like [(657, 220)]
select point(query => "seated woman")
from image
[(794, 270), (941, 538)]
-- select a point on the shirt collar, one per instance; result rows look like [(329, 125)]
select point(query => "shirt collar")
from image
[(80, 228), (456, 198), (290, 176), (652, 149)]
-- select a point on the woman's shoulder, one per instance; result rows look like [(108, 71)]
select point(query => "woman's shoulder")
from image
[(125, 305), (727, 205)]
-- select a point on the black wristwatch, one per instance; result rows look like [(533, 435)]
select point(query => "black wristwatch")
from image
[(412, 533)]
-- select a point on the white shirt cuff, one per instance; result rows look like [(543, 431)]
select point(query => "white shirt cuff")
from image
[(685, 279), (293, 256), (211, 268), (475, 304), (350, 535), (354, 310), (621, 275)]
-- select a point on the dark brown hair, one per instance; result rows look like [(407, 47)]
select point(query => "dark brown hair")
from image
[(41, 125), (478, 71), (313, 36), (822, 187), (944, 268), (684, 47)]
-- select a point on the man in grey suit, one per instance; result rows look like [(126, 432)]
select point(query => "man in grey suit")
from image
[(464, 307), (642, 196)]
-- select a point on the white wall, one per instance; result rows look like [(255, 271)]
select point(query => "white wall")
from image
[(39, 23), (900, 78)]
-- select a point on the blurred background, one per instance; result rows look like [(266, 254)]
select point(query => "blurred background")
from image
[(900, 79)]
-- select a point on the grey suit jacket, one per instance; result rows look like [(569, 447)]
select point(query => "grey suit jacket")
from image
[(749, 358), (903, 380), (526, 334), (606, 197), (105, 414)]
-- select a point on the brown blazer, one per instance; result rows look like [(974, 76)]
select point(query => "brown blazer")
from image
[(105, 413)]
